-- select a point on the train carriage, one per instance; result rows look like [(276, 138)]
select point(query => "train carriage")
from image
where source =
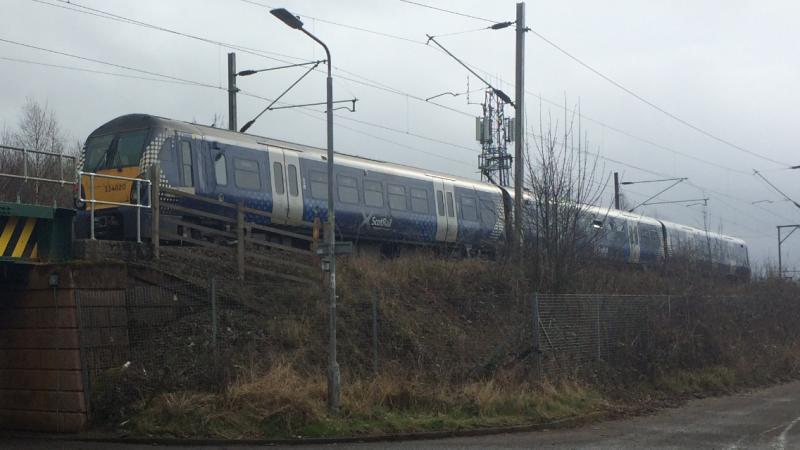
[(377, 202)]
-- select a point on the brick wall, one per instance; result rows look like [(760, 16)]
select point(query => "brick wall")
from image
[(41, 382)]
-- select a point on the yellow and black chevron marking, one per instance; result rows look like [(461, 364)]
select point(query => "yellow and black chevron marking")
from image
[(18, 237)]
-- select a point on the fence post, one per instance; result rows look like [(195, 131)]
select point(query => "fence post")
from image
[(240, 238), (212, 288), (537, 346), (137, 186), (155, 209), (91, 207), (375, 331), (597, 325)]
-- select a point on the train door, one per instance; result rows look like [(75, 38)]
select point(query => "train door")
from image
[(633, 233), (446, 220), (287, 197), (293, 187), (186, 158)]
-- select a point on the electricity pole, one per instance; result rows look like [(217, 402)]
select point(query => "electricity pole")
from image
[(616, 190), (232, 90), (519, 129)]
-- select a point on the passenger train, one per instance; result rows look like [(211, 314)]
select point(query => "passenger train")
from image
[(377, 202)]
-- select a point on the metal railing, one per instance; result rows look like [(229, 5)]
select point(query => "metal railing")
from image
[(137, 182), (14, 157)]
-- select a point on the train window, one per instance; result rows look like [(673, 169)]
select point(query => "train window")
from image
[(319, 185), (292, 170), (419, 200), (277, 178), (221, 170), (348, 189), (397, 197), (373, 193), (165, 154), (440, 203), (468, 209), (186, 163), (450, 206), (246, 174)]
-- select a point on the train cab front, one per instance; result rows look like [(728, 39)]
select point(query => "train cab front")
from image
[(112, 158)]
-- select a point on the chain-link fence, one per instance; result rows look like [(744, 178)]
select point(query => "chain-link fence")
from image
[(175, 335), (468, 337), (172, 335)]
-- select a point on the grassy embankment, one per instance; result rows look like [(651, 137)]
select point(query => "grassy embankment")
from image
[(726, 346)]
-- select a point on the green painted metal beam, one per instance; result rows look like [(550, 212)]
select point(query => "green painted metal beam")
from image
[(34, 234)]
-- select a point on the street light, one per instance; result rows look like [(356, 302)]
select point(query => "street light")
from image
[(333, 367)]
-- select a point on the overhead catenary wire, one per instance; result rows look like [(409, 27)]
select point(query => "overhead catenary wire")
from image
[(248, 94), (618, 85), (363, 81), (688, 182), (359, 79), (778, 190), (99, 72), (382, 86), (211, 86), (588, 118)]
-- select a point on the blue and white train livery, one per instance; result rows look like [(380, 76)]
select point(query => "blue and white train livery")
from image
[(377, 202)]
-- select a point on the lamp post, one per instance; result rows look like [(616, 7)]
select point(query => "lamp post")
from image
[(333, 367)]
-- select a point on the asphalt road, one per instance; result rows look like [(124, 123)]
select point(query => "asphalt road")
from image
[(763, 419)]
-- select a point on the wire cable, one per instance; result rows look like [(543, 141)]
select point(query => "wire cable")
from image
[(618, 85)]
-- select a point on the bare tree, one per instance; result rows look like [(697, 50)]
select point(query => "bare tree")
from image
[(562, 183), (38, 130)]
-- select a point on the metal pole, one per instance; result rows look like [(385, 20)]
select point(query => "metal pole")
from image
[(537, 345), (780, 262), (240, 237), (333, 381), (91, 206), (212, 287), (597, 327), (155, 209), (232, 90), (375, 332), (333, 365), (138, 212), (616, 190), (519, 135)]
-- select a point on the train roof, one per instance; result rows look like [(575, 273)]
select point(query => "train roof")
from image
[(256, 142), (138, 121)]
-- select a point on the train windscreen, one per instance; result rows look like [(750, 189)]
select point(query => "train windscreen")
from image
[(114, 150)]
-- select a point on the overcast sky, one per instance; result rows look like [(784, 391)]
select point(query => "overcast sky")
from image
[(729, 68)]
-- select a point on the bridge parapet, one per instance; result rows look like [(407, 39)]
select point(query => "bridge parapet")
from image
[(31, 234)]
